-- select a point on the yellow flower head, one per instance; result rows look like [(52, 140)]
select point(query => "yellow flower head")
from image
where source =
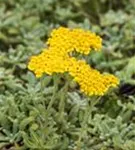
[(57, 58), (79, 40), (91, 81), (49, 62)]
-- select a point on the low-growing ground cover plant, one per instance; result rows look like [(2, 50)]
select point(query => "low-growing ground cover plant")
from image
[(62, 61), (30, 116)]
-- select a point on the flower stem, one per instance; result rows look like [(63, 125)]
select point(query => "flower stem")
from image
[(63, 95), (56, 79), (88, 110)]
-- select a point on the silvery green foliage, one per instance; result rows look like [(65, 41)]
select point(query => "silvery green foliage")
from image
[(25, 122), (24, 117)]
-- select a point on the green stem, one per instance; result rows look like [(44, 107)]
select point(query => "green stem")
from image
[(42, 86), (63, 95), (42, 89), (56, 82), (87, 113)]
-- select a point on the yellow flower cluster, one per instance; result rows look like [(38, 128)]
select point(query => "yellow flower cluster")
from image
[(57, 58), (91, 81), (68, 40), (49, 62)]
